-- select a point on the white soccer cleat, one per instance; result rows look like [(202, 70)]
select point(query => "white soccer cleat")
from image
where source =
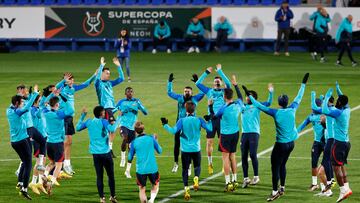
[(175, 168), (328, 193), (153, 51), (344, 195), (287, 54), (122, 163), (255, 180), (127, 174), (191, 50), (168, 51), (197, 50)]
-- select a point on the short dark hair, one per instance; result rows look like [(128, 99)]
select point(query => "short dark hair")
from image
[(188, 87), (253, 93), (128, 88), (16, 99), (162, 22), (331, 99), (228, 93), (217, 77), (190, 107), (139, 127), (21, 86), (105, 68), (342, 101), (283, 100), (97, 111), (53, 101), (36, 99)]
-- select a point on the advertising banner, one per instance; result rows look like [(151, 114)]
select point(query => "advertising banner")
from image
[(259, 23), (22, 22), (106, 22)]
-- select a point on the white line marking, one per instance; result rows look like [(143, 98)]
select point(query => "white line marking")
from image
[(239, 164)]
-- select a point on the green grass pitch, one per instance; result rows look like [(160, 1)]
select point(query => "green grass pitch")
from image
[(150, 73)]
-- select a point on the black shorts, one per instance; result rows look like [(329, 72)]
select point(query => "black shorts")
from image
[(109, 115), (142, 178), (317, 149), (55, 151), (339, 153), (69, 125), (215, 128), (130, 134), (327, 152), (228, 143)]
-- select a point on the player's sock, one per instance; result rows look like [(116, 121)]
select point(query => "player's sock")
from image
[(110, 145), (209, 160), (34, 179), (314, 180), (227, 179), (128, 166), (322, 186), (234, 178), (46, 173), (66, 162), (123, 153), (346, 185), (41, 159), (40, 179), (153, 195)]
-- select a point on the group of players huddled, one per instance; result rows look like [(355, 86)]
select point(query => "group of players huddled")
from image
[(44, 122)]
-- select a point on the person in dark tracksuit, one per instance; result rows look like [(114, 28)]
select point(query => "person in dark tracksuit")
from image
[(282, 17), (286, 134), (98, 129), (190, 125), (19, 137), (181, 99), (343, 39), (250, 122), (223, 29), (312, 38), (195, 35), (318, 122), (123, 48), (146, 166), (321, 30)]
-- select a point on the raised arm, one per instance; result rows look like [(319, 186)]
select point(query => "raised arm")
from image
[(270, 97), (157, 147), (258, 105), (111, 127), (121, 73), (84, 84), (325, 108), (81, 125), (237, 89), (20, 111), (303, 124), (223, 76), (170, 92), (100, 69), (131, 153), (142, 108), (301, 91), (206, 125), (314, 107), (175, 129), (338, 90), (61, 114)]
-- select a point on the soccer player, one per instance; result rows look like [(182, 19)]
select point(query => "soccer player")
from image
[(250, 122), (216, 94), (318, 122), (68, 90), (181, 99), (123, 48), (146, 166), (162, 34), (321, 30), (343, 38), (129, 108), (286, 133), (98, 128), (19, 138), (104, 91), (190, 143), (341, 146), (229, 114), (194, 35), (56, 134)]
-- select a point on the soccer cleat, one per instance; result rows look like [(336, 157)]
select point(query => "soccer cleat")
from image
[(33, 187), (229, 187), (71, 170), (40, 168), (49, 187), (112, 154), (276, 53), (187, 194), (67, 170), (196, 183), (273, 197), (53, 182), (338, 63), (64, 175), (344, 196), (333, 183), (25, 194), (314, 56), (189, 170), (313, 188), (197, 50), (323, 60), (175, 168), (328, 187), (41, 188), (127, 174), (354, 64), (168, 51), (255, 180), (191, 50), (102, 200), (122, 163), (129, 79), (18, 186), (329, 193), (210, 169), (282, 191), (153, 51), (246, 182), (113, 199), (287, 54), (235, 185)]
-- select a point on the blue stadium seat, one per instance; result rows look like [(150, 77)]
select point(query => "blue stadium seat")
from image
[(184, 2), (211, 2), (294, 2), (35, 2), (225, 2), (170, 2), (116, 2), (103, 2), (267, 2), (198, 2), (278, 2), (22, 2), (62, 2), (130, 2), (157, 2), (238, 2), (252, 2), (144, 2), (89, 2), (9, 2), (76, 2), (49, 2)]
